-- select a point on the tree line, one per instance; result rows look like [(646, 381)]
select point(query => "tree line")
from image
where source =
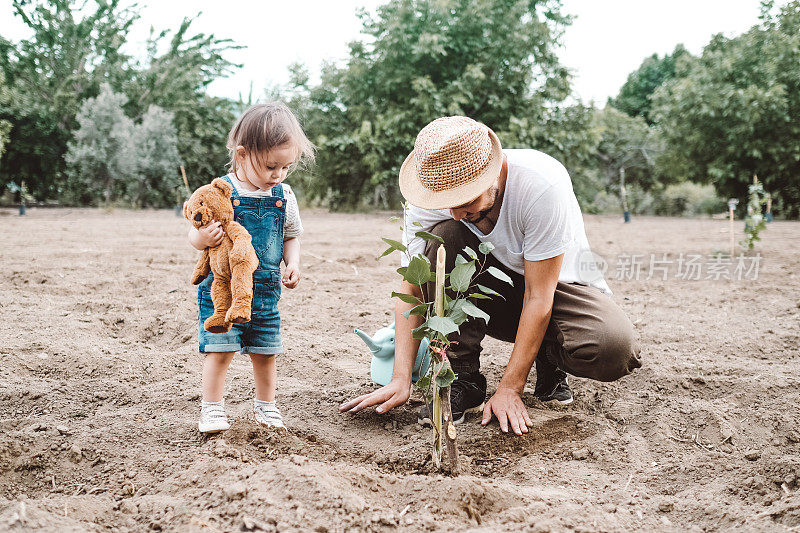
[(83, 123), (71, 77)]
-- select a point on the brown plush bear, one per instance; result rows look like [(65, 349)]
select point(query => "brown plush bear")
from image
[(232, 262)]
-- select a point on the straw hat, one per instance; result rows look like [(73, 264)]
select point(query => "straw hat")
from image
[(454, 160)]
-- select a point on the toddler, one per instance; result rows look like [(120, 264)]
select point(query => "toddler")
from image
[(265, 145)]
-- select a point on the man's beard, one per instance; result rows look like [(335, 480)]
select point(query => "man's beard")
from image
[(485, 213)]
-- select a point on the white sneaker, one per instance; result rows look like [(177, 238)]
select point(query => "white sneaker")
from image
[(268, 415), (213, 419)]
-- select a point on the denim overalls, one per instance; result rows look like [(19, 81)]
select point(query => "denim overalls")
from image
[(263, 217)]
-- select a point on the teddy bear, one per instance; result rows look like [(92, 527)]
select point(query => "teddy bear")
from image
[(233, 261)]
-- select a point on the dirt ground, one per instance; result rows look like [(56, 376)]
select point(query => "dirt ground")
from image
[(100, 380)]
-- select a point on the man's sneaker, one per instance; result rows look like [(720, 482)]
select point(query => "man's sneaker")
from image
[(213, 418), (268, 415), (551, 381), (467, 395)]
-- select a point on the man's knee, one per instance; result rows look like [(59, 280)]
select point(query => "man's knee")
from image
[(617, 354), (608, 356), (454, 234), (447, 228)]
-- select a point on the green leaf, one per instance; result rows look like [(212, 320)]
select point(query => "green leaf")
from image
[(499, 274), (461, 276), (407, 298), (423, 383), (479, 296), (394, 219), (455, 311), (419, 270), (394, 244), (420, 332), (386, 252), (442, 325), (486, 290), (418, 224), (472, 310), (402, 271), (420, 310), (485, 247), (470, 252), (429, 236), (460, 259), (445, 378)]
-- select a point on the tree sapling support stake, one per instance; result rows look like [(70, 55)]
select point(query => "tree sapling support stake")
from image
[(179, 204), (732, 203), (442, 413), (185, 181), (22, 194), (768, 215), (624, 194)]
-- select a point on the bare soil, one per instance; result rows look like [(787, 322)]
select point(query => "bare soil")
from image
[(100, 380)]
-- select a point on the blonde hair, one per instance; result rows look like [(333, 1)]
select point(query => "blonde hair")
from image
[(264, 127)]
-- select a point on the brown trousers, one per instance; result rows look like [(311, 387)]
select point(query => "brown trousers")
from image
[(597, 339)]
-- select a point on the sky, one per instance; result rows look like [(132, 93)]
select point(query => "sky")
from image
[(607, 40)]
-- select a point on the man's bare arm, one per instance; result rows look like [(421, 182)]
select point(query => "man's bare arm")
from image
[(398, 390), (506, 404)]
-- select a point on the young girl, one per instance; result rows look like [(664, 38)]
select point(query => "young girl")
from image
[(265, 144)]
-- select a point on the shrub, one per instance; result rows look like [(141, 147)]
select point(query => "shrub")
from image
[(688, 199)]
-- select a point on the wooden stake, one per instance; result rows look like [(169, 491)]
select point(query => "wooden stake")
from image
[(441, 256), (733, 244), (624, 193), (185, 181), (442, 413)]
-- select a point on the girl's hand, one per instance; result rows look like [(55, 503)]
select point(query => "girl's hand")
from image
[(291, 276), (211, 235)]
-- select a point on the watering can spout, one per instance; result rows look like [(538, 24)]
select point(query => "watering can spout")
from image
[(374, 348)]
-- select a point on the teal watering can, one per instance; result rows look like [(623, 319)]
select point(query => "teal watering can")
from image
[(382, 347)]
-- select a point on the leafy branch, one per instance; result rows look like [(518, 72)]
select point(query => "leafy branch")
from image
[(454, 303), (754, 222)]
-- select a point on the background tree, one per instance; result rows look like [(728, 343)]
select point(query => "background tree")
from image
[(5, 125), (156, 148), (101, 161), (74, 47), (71, 51), (176, 80), (634, 96), (492, 60), (732, 112), (627, 143)]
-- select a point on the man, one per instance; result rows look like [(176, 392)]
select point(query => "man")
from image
[(464, 188)]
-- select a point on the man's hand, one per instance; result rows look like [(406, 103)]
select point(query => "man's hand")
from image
[(389, 396), (506, 404), (291, 276), (210, 235)]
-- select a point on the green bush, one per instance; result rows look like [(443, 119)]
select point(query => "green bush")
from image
[(688, 199), (677, 200)]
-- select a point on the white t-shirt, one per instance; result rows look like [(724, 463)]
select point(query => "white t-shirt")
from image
[(292, 225), (539, 219)]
